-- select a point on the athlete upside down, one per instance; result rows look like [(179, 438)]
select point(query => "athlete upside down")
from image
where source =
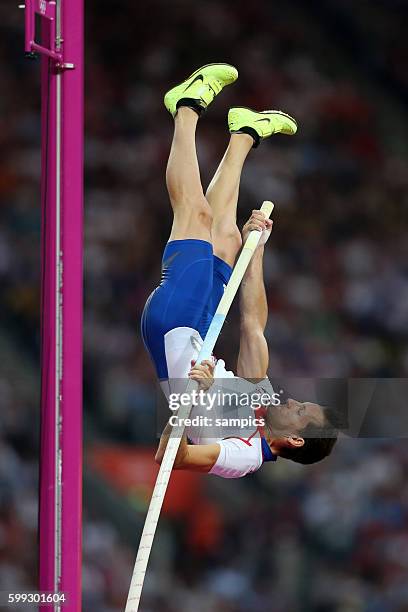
[(197, 264)]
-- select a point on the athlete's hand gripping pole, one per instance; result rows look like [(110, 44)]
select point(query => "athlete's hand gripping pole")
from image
[(173, 444)]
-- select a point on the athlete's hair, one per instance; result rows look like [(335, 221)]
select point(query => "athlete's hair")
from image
[(319, 440)]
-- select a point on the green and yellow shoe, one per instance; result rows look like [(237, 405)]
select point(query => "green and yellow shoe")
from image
[(260, 125), (200, 89)]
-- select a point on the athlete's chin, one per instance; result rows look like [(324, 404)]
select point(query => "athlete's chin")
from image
[(277, 418)]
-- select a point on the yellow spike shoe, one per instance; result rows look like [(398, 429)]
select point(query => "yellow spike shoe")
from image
[(260, 125), (201, 87)]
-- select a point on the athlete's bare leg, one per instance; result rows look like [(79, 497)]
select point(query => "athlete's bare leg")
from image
[(222, 195), (192, 213)]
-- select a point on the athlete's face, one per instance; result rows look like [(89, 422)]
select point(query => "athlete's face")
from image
[(292, 417)]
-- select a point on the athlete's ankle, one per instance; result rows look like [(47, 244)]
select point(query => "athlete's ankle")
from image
[(186, 113), (241, 140)]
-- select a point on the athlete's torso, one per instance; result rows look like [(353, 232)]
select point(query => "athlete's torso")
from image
[(243, 448)]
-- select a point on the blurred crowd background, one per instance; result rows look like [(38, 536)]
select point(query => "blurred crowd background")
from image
[(329, 538)]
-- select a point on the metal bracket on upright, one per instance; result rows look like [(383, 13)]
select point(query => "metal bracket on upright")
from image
[(45, 9)]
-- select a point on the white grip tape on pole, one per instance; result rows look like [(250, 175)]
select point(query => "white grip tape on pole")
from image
[(166, 467)]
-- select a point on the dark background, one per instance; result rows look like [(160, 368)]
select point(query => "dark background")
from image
[(329, 538)]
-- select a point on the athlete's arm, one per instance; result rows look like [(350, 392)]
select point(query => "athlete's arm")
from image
[(199, 457), (253, 358), (194, 457)]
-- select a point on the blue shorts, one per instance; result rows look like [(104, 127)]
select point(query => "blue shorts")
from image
[(192, 284)]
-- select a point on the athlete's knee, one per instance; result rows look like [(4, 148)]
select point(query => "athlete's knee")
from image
[(194, 211), (184, 192), (227, 240), (204, 213)]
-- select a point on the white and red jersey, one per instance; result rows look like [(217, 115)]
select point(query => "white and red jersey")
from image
[(238, 456)]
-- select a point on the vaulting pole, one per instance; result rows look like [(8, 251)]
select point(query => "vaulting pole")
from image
[(163, 477), (54, 30)]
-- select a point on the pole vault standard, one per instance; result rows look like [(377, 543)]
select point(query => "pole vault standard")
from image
[(54, 30), (163, 477)]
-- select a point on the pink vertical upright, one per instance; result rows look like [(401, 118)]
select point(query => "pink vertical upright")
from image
[(60, 45), (72, 291)]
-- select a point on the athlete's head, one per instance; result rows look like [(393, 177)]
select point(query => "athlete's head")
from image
[(301, 431)]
